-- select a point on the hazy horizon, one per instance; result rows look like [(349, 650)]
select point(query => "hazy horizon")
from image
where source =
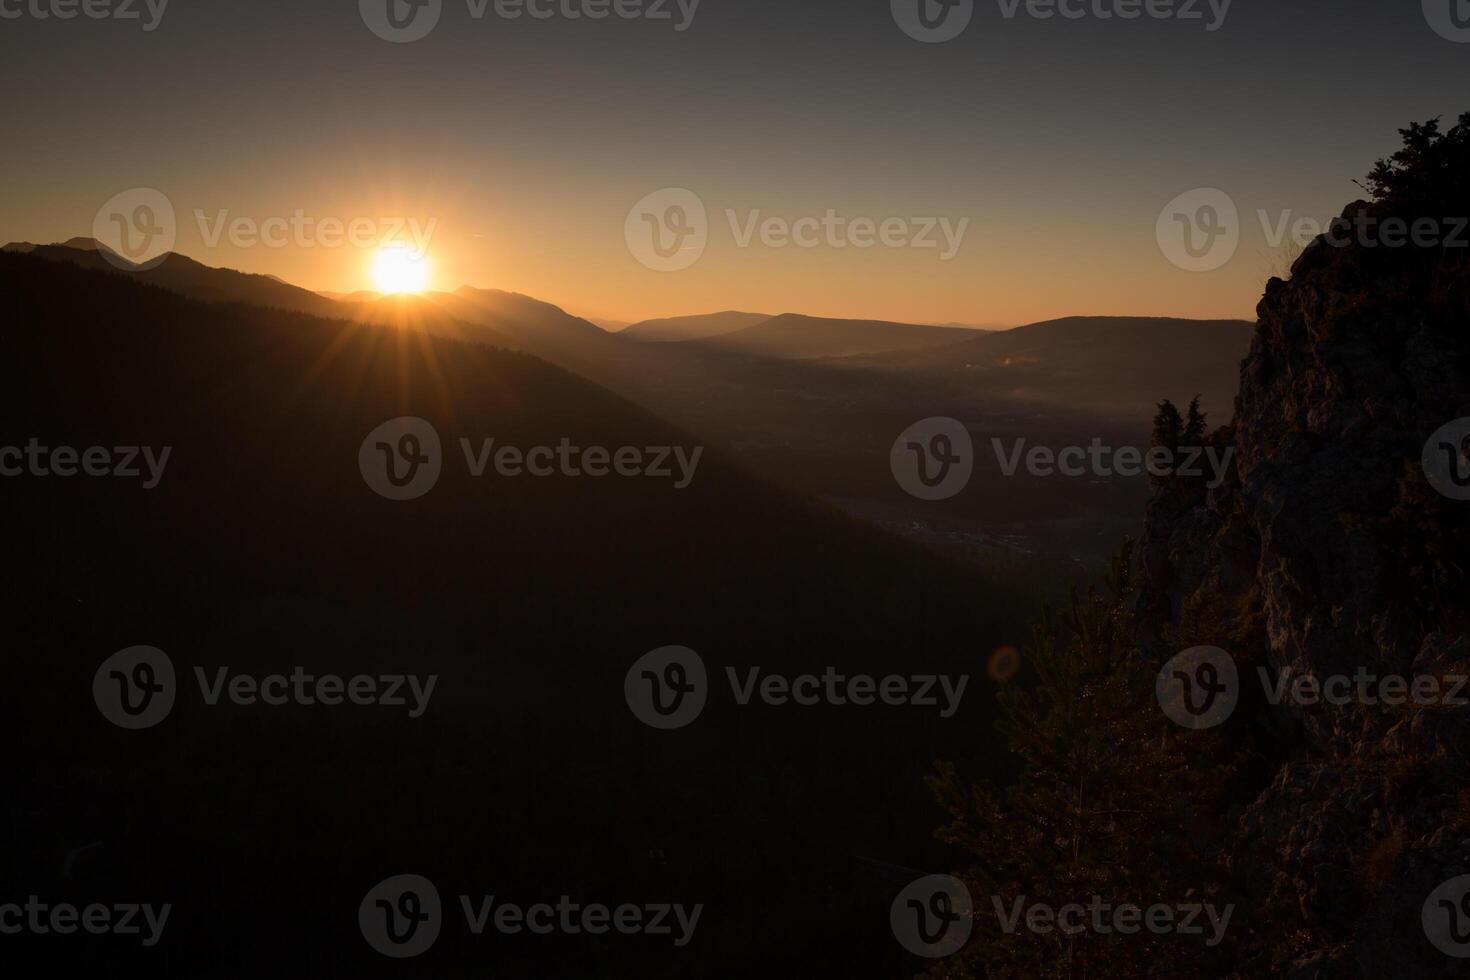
[(617, 324), (520, 146)]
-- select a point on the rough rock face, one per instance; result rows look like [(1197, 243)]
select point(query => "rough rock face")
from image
[(1328, 551)]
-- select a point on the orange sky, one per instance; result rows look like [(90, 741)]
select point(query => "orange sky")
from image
[(525, 145), (1007, 269)]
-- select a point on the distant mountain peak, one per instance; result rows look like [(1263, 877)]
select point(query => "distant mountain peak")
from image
[(696, 327), (84, 244), (796, 336), (79, 244)]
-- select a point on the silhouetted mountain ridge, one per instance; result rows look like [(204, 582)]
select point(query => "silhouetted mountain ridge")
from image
[(796, 336), (669, 329), (188, 277), (1116, 365)]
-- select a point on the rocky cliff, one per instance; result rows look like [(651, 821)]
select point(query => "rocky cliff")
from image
[(1329, 552)]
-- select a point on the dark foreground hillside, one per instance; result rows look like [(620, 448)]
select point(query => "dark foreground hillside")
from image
[(262, 548)]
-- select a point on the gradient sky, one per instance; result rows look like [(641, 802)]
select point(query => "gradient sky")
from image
[(527, 142)]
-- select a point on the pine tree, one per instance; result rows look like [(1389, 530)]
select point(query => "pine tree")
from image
[(1168, 434), (1168, 426), (1195, 429), (1427, 172), (1102, 809)]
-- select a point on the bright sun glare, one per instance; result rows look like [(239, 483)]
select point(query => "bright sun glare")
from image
[(399, 269)]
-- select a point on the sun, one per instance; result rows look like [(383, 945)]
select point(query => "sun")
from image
[(399, 269)]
